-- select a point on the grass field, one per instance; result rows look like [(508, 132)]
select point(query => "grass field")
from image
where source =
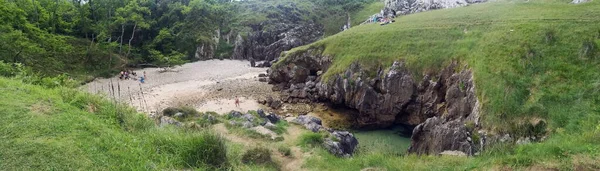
[(64, 129), (531, 60)]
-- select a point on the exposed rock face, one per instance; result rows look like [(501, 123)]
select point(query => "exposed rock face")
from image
[(438, 106), (281, 32), (344, 144), (205, 51), (413, 6)]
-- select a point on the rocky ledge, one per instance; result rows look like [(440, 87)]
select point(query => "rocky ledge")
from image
[(413, 6), (442, 107), (281, 32)]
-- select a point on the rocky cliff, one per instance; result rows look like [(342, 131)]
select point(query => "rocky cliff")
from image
[(413, 6), (282, 31), (439, 106)]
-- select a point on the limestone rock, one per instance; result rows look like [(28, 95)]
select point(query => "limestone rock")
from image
[(343, 145), (404, 7), (309, 122), (234, 114), (165, 120)]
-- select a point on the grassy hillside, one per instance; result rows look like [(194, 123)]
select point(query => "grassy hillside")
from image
[(64, 129), (531, 60)]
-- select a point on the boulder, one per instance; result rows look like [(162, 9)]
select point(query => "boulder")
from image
[(343, 145), (234, 114), (264, 131), (261, 113), (262, 75), (269, 125), (165, 120), (273, 118), (249, 117), (309, 122), (263, 80)]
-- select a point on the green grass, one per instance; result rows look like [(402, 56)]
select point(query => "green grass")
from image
[(311, 139), (64, 129), (530, 60), (280, 127)]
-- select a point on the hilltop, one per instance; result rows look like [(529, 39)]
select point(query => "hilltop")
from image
[(531, 65)]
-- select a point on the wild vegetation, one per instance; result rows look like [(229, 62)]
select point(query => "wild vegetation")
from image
[(532, 60), (85, 39)]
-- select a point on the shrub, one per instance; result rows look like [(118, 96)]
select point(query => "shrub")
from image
[(259, 155), (311, 139), (209, 150), (284, 150), (186, 110)]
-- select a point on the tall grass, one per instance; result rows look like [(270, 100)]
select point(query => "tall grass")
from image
[(64, 129)]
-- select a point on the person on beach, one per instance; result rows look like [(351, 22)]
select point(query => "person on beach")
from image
[(237, 102), (142, 80)]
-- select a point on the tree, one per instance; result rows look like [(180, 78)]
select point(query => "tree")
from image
[(134, 14)]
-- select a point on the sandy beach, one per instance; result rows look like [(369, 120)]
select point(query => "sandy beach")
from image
[(205, 85)]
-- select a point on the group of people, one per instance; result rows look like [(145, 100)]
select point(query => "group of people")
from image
[(384, 17), (128, 74)]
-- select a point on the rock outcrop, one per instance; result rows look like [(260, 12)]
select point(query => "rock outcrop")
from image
[(403, 7), (309, 122), (281, 32), (341, 143), (438, 106)]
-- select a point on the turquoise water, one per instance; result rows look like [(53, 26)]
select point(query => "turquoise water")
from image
[(387, 141)]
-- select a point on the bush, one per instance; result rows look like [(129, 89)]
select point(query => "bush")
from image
[(259, 155), (284, 150), (311, 139), (209, 150), (186, 110)]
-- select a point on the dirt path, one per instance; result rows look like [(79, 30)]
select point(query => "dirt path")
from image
[(206, 85), (287, 163)]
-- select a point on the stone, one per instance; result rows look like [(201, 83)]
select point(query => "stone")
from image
[(234, 114), (275, 104), (309, 122), (263, 80), (264, 131), (262, 75), (273, 118), (343, 145), (453, 153), (178, 115), (247, 124), (261, 113), (505, 138), (269, 125), (524, 140), (249, 117), (165, 120)]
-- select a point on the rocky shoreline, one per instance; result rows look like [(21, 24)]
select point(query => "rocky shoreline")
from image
[(442, 107)]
